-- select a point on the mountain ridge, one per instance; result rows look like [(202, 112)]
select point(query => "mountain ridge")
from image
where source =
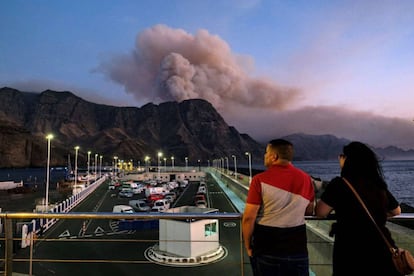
[(191, 128)]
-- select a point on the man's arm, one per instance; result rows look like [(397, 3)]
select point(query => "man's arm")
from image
[(249, 218)]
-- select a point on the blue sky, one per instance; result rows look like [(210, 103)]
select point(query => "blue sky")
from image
[(271, 68)]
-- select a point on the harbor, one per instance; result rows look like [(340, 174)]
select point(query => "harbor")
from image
[(92, 221)]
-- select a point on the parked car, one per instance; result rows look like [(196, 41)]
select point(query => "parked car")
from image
[(154, 197), (171, 195), (201, 203), (122, 209), (202, 189), (140, 205), (125, 193), (161, 205), (198, 197)]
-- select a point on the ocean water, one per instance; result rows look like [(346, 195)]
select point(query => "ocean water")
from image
[(399, 175), (33, 176)]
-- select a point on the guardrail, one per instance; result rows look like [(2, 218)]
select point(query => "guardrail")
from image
[(228, 252)]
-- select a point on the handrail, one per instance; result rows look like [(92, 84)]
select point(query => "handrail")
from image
[(110, 215)]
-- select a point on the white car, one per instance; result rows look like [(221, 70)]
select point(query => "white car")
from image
[(161, 205), (171, 196), (122, 209), (140, 205)]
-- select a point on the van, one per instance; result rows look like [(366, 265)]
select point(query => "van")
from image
[(140, 205), (122, 209), (161, 205)]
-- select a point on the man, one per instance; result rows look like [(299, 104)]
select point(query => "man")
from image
[(274, 228)]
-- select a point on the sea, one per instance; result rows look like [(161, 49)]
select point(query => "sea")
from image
[(399, 175)]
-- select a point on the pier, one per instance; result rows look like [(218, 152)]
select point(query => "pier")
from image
[(82, 236)]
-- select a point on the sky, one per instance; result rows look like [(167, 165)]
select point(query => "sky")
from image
[(270, 68)]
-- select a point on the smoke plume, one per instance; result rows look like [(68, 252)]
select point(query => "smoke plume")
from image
[(171, 64)]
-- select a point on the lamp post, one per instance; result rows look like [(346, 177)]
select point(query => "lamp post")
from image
[(100, 166), (235, 166), (48, 137), (165, 164), (227, 164), (115, 166), (186, 164), (250, 166), (89, 160), (172, 163), (96, 165), (147, 163), (159, 161), (76, 165)]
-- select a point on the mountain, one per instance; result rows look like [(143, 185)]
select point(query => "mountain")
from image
[(192, 129), (327, 147)]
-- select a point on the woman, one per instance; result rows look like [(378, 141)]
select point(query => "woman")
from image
[(358, 248)]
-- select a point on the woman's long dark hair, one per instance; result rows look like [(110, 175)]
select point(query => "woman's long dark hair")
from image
[(362, 166)]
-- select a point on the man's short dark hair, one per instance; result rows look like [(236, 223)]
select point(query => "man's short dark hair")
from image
[(283, 147)]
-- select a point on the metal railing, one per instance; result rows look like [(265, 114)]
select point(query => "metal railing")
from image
[(71, 243), (69, 255)]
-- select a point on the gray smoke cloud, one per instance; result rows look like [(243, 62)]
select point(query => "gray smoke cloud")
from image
[(171, 64)]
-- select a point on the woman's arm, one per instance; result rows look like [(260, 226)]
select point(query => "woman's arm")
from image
[(322, 209), (394, 212)]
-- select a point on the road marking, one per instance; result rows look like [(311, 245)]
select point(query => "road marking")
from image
[(99, 230), (64, 234)]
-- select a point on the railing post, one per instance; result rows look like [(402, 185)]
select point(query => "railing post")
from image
[(8, 230)]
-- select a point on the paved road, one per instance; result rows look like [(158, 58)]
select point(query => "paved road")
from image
[(117, 252)]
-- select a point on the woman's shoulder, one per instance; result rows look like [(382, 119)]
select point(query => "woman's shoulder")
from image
[(335, 183), (336, 179)]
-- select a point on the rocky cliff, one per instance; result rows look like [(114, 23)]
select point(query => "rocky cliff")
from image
[(192, 129)]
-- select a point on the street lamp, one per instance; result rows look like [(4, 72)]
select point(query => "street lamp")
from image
[(100, 166), (165, 164), (89, 160), (115, 166), (159, 169), (186, 164), (227, 164), (147, 163), (96, 165), (48, 137), (250, 166), (172, 163), (199, 165), (76, 164), (235, 166)]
